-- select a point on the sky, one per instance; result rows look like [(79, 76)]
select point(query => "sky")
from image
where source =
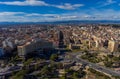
[(58, 10)]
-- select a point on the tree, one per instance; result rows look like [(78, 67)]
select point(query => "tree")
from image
[(108, 63), (75, 75), (27, 63), (20, 74), (36, 66), (63, 77), (54, 57), (45, 71), (116, 58)]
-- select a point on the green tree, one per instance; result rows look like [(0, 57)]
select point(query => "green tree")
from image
[(108, 63), (19, 75), (27, 63), (45, 71), (54, 57), (75, 75), (63, 77)]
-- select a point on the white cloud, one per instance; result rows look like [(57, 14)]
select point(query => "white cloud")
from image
[(33, 14), (33, 17), (108, 14), (68, 6), (109, 2), (26, 17), (26, 3), (10, 13)]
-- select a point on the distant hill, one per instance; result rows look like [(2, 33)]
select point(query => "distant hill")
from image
[(68, 22)]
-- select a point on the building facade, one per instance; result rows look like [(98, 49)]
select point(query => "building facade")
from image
[(33, 46)]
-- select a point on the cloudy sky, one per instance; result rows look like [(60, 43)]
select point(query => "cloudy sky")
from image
[(57, 10)]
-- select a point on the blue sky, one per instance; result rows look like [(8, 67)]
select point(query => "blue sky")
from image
[(58, 10)]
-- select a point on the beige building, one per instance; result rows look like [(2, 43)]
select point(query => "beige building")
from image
[(112, 46), (74, 46), (33, 46)]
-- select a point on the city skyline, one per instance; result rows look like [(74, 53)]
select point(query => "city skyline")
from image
[(60, 10)]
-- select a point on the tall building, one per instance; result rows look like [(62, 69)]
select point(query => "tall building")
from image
[(112, 46), (33, 46), (61, 40)]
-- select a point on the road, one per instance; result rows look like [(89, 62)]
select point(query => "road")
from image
[(10, 70), (76, 57)]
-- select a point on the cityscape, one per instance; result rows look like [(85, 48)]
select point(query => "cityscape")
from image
[(50, 39)]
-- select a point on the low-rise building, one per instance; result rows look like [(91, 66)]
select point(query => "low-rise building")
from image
[(74, 46)]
